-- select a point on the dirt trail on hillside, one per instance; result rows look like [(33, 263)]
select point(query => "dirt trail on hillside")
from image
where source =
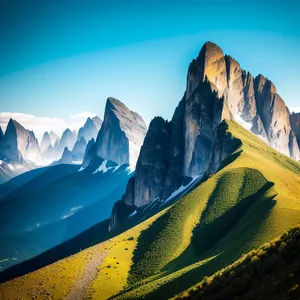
[(80, 289)]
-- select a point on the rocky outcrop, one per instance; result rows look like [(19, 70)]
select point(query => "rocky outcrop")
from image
[(46, 142), (255, 100), (121, 135), (119, 213), (249, 110), (295, 123), (152, 164), (203, 112), (223, 147), (20, 145), (195, 141), (275, 117), (90, 129)]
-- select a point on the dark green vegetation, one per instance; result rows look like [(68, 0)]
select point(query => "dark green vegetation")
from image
[(237, 191), (270, 272)]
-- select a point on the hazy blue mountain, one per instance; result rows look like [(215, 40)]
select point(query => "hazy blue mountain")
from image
[(90, 129), (56, 205)]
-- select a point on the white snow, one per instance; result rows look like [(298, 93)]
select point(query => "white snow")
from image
[(1, 161), (116, 168), (76, 208), (71, 212), (133, 214), (130, 169), (11, 167), (81, 169), (103, 168), (238, 118), (181, 189)]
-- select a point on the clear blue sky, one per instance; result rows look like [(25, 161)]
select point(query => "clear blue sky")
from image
[(58, 58)]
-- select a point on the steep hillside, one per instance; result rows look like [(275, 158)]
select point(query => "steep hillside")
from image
[(251, 199), (270, 272)]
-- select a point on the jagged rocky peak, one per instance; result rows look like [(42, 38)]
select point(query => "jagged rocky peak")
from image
[(254, 103), (97, 121), (46, 142), (210, 63), (275, 117), (68, 140), (121, 135), (19, 144), (295, 123), (67, 157), (90, 129)]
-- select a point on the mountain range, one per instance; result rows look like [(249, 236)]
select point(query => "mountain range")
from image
[(164, 212)]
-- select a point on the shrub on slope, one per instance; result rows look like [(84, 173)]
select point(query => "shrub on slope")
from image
[(270, 272)]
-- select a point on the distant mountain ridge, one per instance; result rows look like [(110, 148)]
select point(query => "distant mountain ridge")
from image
[(120, 136), (19, 144), (90, 129)]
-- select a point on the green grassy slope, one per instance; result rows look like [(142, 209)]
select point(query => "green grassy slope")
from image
[(270, 272), (250, 201)]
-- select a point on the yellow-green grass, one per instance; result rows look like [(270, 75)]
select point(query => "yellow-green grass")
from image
[(113, 273), (260, 223), (51, 282), (257, 195), (58, 279)]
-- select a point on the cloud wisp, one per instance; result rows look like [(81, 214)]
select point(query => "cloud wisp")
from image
[(41, 124)]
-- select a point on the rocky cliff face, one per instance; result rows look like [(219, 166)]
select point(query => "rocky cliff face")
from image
[(97, 122), (19, 144), (194, 142), (224, 146), (275, 118), (90, 129), (121, 135), (203, 112), (295, 123), (247, 99), (90, 153)]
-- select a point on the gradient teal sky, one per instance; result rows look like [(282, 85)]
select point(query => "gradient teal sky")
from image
[(58, 58)]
